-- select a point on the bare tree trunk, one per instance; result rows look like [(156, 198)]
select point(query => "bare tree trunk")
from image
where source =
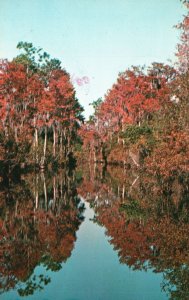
[(45, 144), (36, 145), (61, 186), (36, 193), (16, 134), (69, 145), (54, 141), (54, 191), (94, 150), (61, 145), (118, 190), (45, 191), (123, 192), (135, 158)]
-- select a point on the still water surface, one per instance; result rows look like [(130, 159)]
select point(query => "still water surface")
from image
[(61, 245)]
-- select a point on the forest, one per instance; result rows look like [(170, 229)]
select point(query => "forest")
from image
[(128, 164), (40, 114), (142, 121)]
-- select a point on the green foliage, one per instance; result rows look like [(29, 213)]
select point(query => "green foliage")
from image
[(141, 136), (34, 284), (134, 132), (78, 176), (176, 282), (133, 210), (78, 146), (36, 60), (50, 264), (95, 104)]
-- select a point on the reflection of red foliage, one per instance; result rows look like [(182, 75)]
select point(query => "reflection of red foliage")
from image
[(132, 241), (141, 228), (160, 243), (28, 233)]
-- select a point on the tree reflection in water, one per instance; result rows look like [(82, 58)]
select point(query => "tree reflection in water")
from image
[(38, 222), (147, 220)]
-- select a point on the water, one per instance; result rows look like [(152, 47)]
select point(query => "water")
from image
[(73, 253)]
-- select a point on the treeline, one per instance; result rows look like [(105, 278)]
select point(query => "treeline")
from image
[(39, 112), (143, 119)]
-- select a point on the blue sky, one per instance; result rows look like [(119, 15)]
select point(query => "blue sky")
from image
[(93, 38)]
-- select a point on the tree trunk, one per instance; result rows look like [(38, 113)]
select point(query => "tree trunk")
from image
[(69, 143), (61, 145), (36, 145), (36, 193), (54, 141), (54, 192), (45, 192), (45, 146), (16, 134)]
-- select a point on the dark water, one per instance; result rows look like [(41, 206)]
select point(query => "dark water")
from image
[(94, 234)]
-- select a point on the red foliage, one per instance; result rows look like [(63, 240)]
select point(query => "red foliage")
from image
[(172, 155), (183, 47), (131, 99)]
